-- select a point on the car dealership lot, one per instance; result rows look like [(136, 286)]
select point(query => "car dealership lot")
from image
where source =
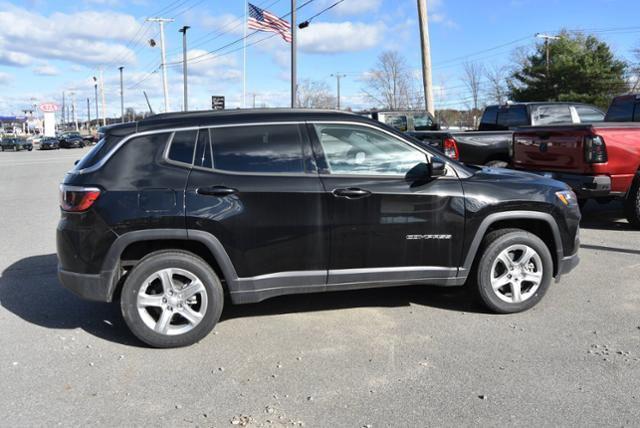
[(409, 356)]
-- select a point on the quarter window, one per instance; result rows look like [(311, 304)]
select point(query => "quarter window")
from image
[(351, 149), (258, 149), (550, 114), (589, 114), (182, 146)]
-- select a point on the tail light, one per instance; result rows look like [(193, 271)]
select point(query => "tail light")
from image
[(77, 198), (595, 150), (450, 148)]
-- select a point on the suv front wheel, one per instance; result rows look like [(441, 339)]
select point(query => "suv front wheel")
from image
[(171, 298), (514, 271)]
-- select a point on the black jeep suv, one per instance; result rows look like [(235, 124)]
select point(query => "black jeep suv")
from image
[(169, 214)]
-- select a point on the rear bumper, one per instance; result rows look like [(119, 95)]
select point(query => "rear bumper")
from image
[(88, 286), (585, 186)]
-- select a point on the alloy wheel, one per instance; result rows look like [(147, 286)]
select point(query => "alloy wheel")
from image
[(516, 273), (172, 301)]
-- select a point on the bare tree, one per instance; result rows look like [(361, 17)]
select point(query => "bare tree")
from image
[(472, 76), (315, 94), (497, 90), (391, 84)]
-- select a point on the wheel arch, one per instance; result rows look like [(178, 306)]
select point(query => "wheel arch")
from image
[(539, 223), (132, 246)]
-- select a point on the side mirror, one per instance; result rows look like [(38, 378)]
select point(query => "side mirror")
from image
[(418, 175), (76, 162), (438, 167)]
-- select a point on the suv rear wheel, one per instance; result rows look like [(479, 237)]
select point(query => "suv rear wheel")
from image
[(514, 270), (171, 298)]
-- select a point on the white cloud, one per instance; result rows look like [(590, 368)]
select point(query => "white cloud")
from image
[(227, 23), (206, 66), (5, 78), (46, 70), (326, 38), (85, 37), (15, 59), (353, 7), (441, 18)]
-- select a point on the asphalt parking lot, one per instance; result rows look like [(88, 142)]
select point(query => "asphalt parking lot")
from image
[(407, 356)]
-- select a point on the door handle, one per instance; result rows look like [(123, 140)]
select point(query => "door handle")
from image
[(216, 191), (351, 193)]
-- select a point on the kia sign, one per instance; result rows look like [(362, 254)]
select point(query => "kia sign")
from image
[(48, 107)]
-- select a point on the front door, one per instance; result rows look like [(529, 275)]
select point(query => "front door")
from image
[(256, 189), (384, 229)]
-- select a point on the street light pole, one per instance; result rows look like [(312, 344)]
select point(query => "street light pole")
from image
[(183, 30), (163, 65), (338, 76), (121, 95), (104, 102), (95, 87), (294, 43), (88, 115)]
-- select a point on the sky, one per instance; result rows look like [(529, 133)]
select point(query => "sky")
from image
[(47, 47)]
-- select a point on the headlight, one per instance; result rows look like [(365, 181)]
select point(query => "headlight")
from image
[(567, 197)]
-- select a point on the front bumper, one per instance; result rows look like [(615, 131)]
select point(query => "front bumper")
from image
[(567, 264), (88, 286), (585, 186)]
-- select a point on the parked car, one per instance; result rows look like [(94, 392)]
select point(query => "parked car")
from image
[(490, 144), (49, 143), (169, 214), (599, 161), (15, 144), (404, 120), (71, 140), (625, 108)]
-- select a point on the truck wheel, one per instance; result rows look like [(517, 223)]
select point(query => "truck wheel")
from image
[(497, 164), (514, 270), (632, 203), (171, 298)]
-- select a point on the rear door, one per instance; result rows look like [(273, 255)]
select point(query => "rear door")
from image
[(382, 228), (256, 189)]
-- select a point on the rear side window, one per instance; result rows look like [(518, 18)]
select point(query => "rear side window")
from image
[(621, 110), (550, 114), (589, 114), (490, 116), (510, 117), (182, 146), (258, 149)]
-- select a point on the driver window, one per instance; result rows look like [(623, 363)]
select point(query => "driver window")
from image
[(352, 149)]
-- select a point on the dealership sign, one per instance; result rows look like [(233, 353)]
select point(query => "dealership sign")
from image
[(48, 107)]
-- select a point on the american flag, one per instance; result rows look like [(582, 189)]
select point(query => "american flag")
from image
[(263, 20)]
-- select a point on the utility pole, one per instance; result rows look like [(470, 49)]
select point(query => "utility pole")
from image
[(74, 118), (63, 111), (104, 102), (95, 87), (294, 43), (183, 30), (426, 55), (546, 38), (163, 63), (88, 115), (121, 95), (338, 76)]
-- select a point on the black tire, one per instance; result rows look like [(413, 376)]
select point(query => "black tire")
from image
[(155, 262), (493, 244), (497, 164), (632, 203)]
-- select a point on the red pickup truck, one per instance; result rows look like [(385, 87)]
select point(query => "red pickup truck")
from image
[(599, 160)]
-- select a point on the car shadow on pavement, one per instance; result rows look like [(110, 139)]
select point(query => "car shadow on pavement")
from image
[(609, 216), (30, 289)]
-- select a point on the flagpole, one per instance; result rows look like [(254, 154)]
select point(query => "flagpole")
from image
[(244, 59), (294, 83)]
